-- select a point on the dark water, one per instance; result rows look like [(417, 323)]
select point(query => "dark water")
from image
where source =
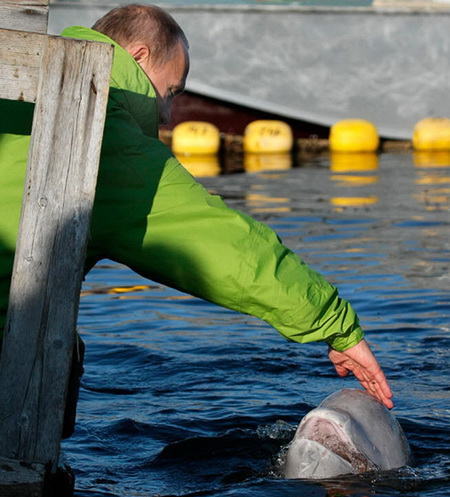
[(184, 398)]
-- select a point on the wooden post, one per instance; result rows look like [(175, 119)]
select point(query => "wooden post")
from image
[(24, 15), (72, 79), (20, 61)]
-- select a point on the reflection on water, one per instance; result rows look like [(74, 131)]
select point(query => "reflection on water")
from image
[(432, 158), (201, 166), (259, 202), (432, 175), (354, 170), (183, 398), (267, 162), (344, 162)]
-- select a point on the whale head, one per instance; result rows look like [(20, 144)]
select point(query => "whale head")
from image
[(350, 432)]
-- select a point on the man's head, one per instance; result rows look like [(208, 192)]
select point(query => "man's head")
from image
[(156, 42)]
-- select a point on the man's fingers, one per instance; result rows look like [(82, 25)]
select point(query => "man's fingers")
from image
[(341, 370), (366, 369), (380, 390)]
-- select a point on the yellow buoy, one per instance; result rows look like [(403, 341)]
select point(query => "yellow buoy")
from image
[(268, 136), (432, 133), (354, 135), (195, 138)]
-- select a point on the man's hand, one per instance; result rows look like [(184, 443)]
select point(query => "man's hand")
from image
[(360, 360)]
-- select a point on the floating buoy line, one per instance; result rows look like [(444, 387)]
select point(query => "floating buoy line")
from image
[(269, 145)]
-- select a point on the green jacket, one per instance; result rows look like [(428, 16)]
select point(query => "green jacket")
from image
[(151, 215)]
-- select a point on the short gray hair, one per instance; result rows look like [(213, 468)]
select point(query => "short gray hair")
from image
[(148, 24)]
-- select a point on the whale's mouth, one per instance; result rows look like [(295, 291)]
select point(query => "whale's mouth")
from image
[(332, 437)]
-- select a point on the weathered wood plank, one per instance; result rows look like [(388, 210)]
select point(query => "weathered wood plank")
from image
[(20, 60), (21, 480), (58, 196), (24, 15)]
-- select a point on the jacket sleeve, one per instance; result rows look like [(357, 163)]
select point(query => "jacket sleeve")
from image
[(152, 215)]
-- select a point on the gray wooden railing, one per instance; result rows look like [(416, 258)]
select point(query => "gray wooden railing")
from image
[(68, 80)]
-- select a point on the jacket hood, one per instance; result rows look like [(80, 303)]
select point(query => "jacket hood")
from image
[(129, 83)]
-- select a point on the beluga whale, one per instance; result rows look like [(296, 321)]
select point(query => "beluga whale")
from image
[(350, 432)]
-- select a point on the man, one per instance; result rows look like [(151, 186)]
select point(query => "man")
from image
[(150, 214)]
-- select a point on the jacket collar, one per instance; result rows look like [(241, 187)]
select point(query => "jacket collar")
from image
[(129, 79)]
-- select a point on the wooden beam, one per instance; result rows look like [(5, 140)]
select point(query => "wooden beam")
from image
[(48, 267), (20, 60), (18, 479), (24, 15)]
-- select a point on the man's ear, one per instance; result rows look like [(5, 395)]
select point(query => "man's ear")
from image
[(140, 53)]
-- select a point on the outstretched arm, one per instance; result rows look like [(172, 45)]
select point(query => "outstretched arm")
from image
[(152, 215), (360, 360)]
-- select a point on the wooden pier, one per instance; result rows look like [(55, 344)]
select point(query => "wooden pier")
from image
[(68, 80)]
